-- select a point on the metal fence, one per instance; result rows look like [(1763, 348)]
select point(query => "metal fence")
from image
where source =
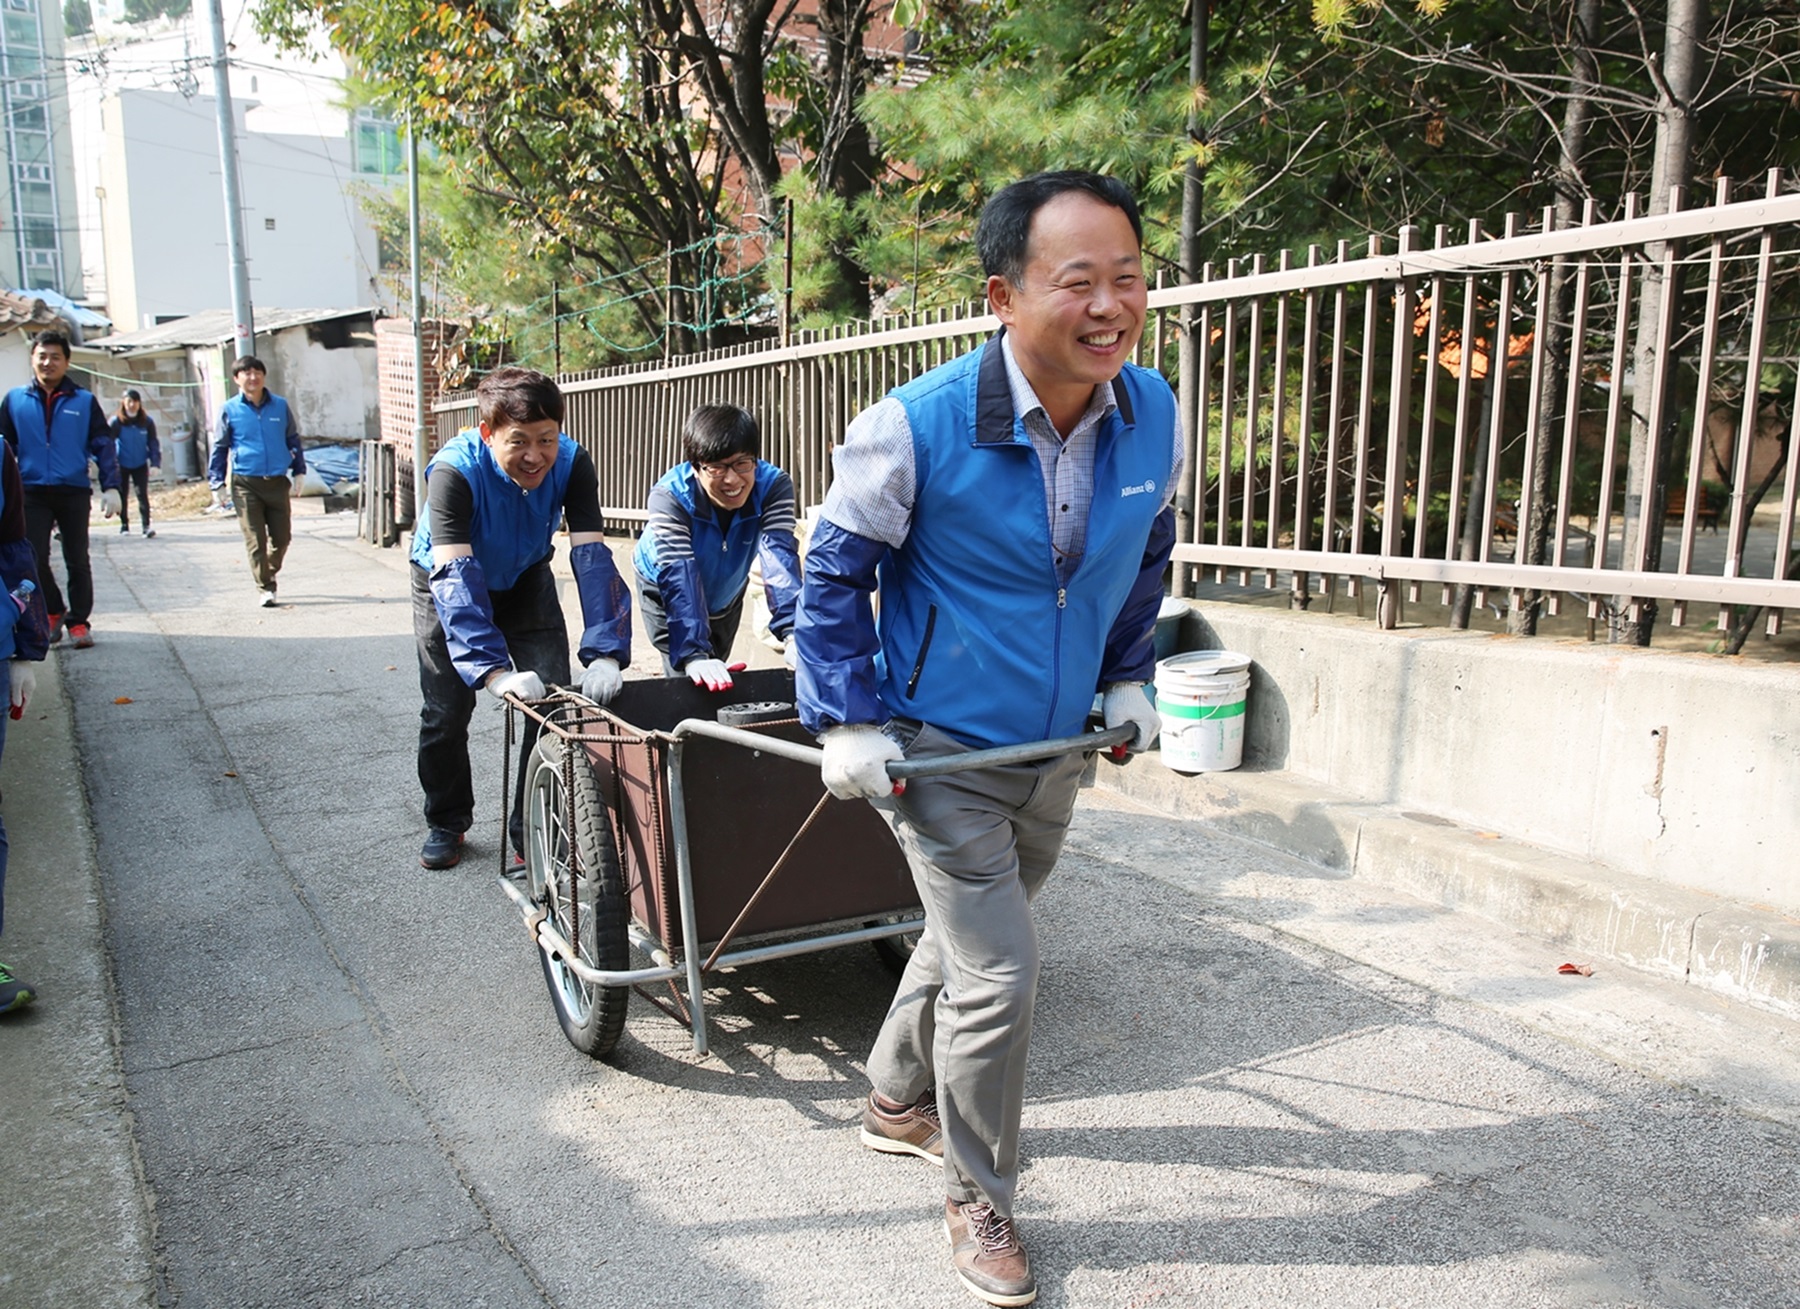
[(1459, 415)]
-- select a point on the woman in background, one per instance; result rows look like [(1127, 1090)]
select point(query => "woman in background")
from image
[(135, 432)]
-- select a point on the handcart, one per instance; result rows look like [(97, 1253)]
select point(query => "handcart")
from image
[(646, 824)]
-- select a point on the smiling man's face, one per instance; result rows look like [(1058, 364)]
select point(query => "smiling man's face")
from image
[(1077, 313), (526, 452)]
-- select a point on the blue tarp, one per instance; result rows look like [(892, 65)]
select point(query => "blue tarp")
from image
[(334, 463)]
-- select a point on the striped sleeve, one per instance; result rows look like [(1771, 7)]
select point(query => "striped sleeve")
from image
[(873, 487), (670, 525)]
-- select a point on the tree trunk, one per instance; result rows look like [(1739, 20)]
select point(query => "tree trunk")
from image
[(1645, 479), (1188, 388), (848, 162), (1571, 192)]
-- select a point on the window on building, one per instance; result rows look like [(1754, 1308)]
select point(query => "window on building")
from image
[(377, 144), (36, 198)]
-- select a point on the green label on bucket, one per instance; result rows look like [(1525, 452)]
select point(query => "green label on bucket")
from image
[(1233, 710)]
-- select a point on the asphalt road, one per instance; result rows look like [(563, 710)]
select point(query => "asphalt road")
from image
[(339, 1081)]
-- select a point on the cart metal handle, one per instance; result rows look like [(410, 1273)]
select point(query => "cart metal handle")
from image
[(900, 771)]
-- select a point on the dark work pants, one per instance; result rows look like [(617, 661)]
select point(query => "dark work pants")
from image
[(66, 508), (130, 478), (721, 627), (530, 618), (267, 521)]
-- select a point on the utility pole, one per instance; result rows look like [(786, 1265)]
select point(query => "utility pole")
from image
[(421, 439), (244, 331)]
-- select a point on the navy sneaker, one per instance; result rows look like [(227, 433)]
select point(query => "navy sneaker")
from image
[(442, 849), (14, 993)]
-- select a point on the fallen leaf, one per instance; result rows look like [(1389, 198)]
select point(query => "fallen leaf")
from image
[(390, 668), (1583, 970), (123, 699), (229, 773)]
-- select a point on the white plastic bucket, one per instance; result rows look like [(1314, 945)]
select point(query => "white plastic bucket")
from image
[(1201, 697)]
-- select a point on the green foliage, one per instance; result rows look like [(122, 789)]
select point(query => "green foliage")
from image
[(1330, 120), (78, 18)]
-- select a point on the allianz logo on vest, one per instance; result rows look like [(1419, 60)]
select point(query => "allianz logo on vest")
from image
[(1149, 485)]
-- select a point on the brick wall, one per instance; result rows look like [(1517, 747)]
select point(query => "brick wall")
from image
[(394, 358)]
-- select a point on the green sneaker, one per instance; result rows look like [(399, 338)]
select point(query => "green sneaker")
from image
[(14, 993)]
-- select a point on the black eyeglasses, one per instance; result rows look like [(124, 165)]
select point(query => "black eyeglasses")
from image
[(744, 468)]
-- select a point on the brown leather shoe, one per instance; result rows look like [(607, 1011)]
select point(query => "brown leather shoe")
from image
[(913, 1130), (987, 1255)]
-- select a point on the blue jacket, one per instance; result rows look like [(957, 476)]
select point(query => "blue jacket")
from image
[(512, 528), (260, 440), (136, 441), (24, 633), (975, 634), (58, 456), (721, 560)]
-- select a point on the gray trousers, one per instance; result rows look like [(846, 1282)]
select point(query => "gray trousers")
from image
[(980, 845)]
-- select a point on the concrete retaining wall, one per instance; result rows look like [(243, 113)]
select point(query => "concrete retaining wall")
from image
[(1680, 768)]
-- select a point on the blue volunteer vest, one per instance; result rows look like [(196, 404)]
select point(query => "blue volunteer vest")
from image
[(57, 456), (512, 528), (134, 443), (259, 445), (977, 636), (723, 558)]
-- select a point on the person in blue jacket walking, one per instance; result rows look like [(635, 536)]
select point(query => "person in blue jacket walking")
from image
[(55, 428), (485, 609), (258, 439), (711, 517), (24, 641), (1014, 507), (134, 436)]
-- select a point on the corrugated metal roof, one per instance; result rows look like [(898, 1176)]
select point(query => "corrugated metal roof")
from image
[(214, 327), (18, 310), (86, 319)]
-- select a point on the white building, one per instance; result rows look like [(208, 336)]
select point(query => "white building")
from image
[(163, 223), (149, 183)]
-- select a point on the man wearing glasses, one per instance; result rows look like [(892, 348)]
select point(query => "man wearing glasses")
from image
[(710, 518)]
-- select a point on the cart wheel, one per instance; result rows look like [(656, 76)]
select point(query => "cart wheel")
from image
[(896, 951), (592, 1016)]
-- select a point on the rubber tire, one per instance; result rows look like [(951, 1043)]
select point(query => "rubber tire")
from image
[(591, 1016)]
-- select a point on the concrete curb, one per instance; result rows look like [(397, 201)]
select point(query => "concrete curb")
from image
[(1747, 953), (73, 1206)]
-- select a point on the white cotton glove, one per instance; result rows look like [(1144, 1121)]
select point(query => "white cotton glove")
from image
[(856, 760), (24, 685), (525, 684), (110, 503), (1125, 705), (710, 673), (790, 654), (602, 680)]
